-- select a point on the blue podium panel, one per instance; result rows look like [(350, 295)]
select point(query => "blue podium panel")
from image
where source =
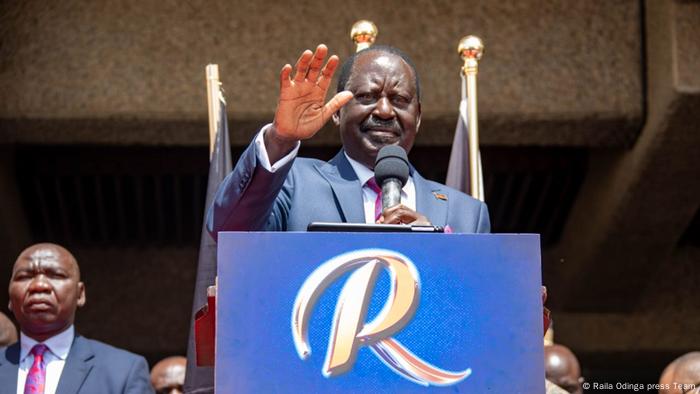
[(369, 312)]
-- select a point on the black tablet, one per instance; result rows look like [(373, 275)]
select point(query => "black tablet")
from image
[(372, 228)]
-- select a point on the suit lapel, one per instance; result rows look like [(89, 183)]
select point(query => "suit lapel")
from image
[(77, 367), (346, 187), (427, 201), (9, 364)]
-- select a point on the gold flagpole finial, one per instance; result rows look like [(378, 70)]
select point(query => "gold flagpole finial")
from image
[(363, 34), (470, 49)]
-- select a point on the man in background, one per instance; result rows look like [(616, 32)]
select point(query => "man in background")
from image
[(50, 357), (682, 375), (168, 375), (8, 332), (562, 368)]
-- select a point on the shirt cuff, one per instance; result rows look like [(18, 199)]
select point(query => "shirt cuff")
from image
[(264, 159)]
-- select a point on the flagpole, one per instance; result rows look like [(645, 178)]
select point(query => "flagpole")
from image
[(470, 50), (363, 34), (213, 86)]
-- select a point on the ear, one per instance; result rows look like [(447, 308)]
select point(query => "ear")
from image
[(418, 118), (336, 118), (82, 299)]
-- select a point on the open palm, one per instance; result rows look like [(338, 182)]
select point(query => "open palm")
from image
[(301, 111)]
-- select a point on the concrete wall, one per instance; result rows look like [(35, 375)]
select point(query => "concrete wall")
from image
[(554, 72)]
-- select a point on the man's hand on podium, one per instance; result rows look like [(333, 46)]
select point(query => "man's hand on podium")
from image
[(301, 112), (401, 214)]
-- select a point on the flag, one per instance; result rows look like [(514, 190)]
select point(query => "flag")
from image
[(458, 175), (201, 379)]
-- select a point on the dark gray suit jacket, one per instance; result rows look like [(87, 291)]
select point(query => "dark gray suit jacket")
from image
[(91, 367), (307, 190)]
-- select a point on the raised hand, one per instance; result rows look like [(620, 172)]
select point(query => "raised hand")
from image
[(301, 111)]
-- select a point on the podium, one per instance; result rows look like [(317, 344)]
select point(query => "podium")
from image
[(370, 312)]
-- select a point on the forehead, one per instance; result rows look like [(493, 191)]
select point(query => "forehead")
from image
[(379, 67), (171, 373), (44, 257)]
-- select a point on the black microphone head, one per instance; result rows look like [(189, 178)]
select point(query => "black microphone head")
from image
[(391, 162)]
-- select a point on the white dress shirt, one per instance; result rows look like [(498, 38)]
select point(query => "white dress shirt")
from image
[(264, 159), (369, 196), (54, 359)]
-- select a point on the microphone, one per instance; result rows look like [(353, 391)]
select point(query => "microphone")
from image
[(391, 173)]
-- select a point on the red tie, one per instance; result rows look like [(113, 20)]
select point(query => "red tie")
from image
[(372, 184), (36, 378)]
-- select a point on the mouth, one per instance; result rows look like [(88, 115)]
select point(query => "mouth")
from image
[(383, 136), (39, 305)]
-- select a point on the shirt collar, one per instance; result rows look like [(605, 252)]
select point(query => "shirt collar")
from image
[(58, 344), (363, 173)]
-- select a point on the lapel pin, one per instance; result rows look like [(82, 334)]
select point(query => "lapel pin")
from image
[(440, 196)]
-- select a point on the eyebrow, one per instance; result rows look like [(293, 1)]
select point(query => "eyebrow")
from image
[(50, 268)]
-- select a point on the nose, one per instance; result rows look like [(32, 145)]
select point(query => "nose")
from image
[(39, 284), (384, 109)]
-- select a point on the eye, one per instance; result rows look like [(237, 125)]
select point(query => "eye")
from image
[(57, 274), (400, 100), (22, 276), (365, 98)]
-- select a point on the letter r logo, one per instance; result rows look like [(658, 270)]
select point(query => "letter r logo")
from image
[(350, 332)]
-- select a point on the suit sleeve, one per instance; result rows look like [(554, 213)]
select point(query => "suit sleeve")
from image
[(483, 225), (247, 196), (138, 381)]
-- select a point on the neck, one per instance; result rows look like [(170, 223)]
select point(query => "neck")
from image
[(369, 163), (44, 336)]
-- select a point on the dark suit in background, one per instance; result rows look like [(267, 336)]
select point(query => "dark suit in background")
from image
[(92, 367)]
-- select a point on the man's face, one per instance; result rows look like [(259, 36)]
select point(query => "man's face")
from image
[(385, 109), (45, 290)]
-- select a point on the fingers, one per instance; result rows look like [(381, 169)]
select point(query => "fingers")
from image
[(401, 214), (302, 65), (308, 67), (284, 76), (317, 62), (335, 104), (327, 72), (393, 215)]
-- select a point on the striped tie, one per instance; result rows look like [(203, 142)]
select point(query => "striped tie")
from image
[(36, 378), (372, 184)]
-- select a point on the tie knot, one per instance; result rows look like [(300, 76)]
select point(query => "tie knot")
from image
[(38, 350), (372, 184)]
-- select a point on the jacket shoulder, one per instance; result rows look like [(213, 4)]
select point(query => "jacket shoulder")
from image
[(113, 370), (455, 195), (303, 163), (113, 353)]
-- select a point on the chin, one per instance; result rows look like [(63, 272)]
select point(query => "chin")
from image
[(376, 146)]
